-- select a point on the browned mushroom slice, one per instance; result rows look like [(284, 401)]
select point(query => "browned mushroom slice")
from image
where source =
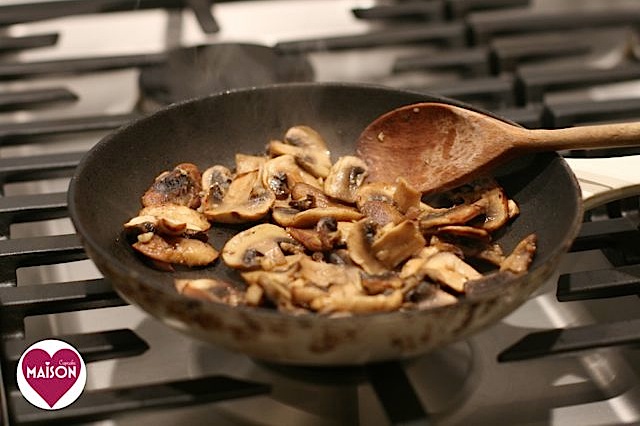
[(322, 274), (379, 284), (381, 212), (520, 258), (428, 296), (375, 191), (260, 246), (276, 285), (303, 295), (395, 244), (179, 186), (307, 147), (308, 218), (215, 184), (210, 289), (514, 209), (450, 270), (181, 251), (465, 232), (496, 209), (376, 201), (406, 198), (172, 219), (345, 178), (249, 163), (455, 215), (280, 174), (322, 238), (359, 240), (305, 196), (246, 200), (339, 301)]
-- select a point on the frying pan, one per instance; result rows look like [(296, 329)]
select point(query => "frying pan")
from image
[(106, 188)]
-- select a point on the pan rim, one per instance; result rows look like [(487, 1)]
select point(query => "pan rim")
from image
[(95, 249)]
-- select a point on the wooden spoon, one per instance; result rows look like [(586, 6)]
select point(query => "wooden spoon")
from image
[(437, 146)]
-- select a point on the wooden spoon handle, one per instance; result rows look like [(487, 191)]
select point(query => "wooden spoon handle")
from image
[(597, 136)]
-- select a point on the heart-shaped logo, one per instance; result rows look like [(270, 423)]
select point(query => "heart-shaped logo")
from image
[(52, 370)]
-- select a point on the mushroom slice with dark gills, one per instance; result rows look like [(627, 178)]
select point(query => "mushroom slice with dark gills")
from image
[(262, 246), (182, 186), (289, 217), (359, 239), (345, 178), (281, 173), (375, 200), (489, 195), (245, 200), (308, 149), (175, 250), (215, 184), (170, 220), (430, 220), (325, 236)]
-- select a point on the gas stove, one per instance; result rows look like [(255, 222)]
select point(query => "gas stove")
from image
[(70, 73)]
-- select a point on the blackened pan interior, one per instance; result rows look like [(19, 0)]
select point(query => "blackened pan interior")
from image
[(105, 191)]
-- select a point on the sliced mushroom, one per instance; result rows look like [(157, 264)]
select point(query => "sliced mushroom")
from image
[(382, 212), (456, 215), (449, 269), (395, 244), (275, 286), (322, 274), (465, 232), (305, 196), (522, 255), (307, 147), (359, 240), (357, 303), (211, 289), (428, 296), (253, 247), (246, 200), (280, 174), (249, 163), (179, 186), (307, 218), (215, 184), (496, 209), (325, 236), (375, 200), (406, 198), (171, 219), (381, 284), (375, 191), (345, 178), (181, 251)]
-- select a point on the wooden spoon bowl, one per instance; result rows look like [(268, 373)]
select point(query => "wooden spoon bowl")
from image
[(437, 146)]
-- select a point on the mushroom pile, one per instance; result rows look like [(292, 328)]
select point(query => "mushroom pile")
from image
[(324, 239)]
